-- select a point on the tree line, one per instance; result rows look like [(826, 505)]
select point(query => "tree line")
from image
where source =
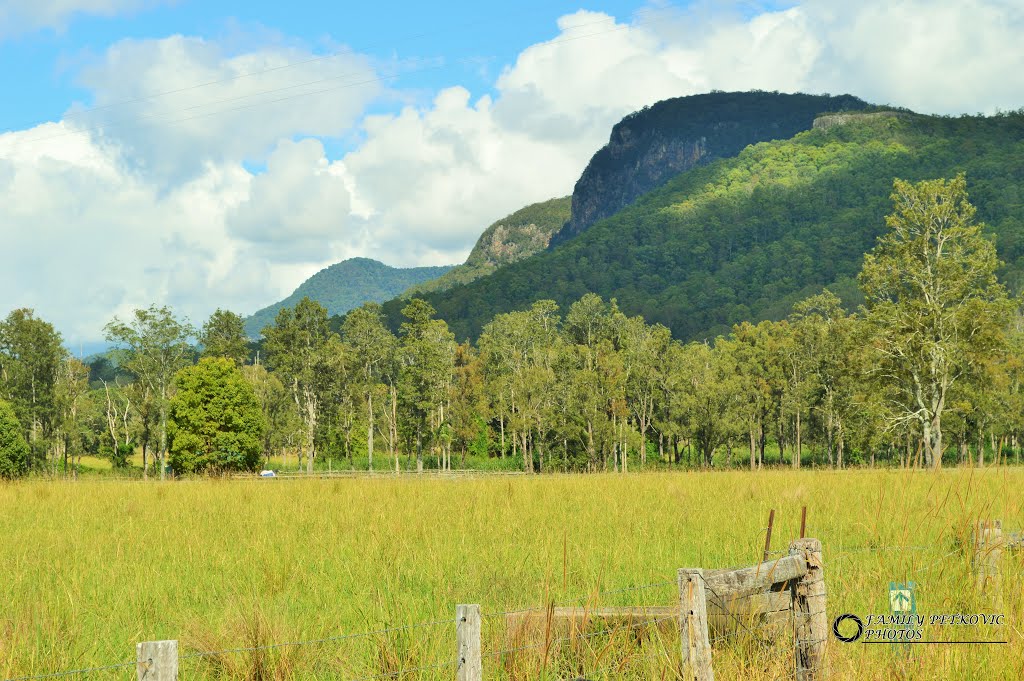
[(927, 371)]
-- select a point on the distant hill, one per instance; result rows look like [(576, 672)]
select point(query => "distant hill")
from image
[(514, 237), (743, 238), (347, 285), (649, 147)]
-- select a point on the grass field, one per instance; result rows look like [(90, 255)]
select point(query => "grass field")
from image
[(90, 568)]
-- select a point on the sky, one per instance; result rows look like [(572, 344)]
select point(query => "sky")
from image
[(208, 154)]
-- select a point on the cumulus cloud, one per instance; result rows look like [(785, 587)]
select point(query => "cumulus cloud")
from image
[(172, 105), (23, 16), (120, 215)]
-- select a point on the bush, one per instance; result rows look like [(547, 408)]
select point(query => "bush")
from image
[(14, 451)]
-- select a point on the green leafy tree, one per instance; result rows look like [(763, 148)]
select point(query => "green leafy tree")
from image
[(375, 349), (428, 362), (154, 346), (216, 421), (223, 335), (933, 300), (31, 358), (14, 451), (298, 349)]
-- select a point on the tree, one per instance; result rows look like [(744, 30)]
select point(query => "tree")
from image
[(74, 410), (223, 335), (279, 410), (375, 348), (933, 300), (428, 361), (216, 421), (297, 348), (14, 451), (154, 347), (31, 357)]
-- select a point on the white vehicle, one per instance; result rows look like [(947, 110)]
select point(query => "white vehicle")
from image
[(268, 474)]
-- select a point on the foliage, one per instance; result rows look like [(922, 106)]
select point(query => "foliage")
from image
[(153, 345), (744, 238), (31, 356), (933, 300), (216, 421), (14, 451), (223, 335)]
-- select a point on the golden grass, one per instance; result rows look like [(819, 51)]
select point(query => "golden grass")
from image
[(92, 567)]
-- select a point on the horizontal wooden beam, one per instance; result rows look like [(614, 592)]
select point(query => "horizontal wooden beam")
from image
[(733, 584)]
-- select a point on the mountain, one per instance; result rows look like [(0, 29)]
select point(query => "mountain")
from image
[(650, 146), (346, 285), (513, 238), (743, 238)]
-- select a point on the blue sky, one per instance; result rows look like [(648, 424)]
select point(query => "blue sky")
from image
[(228, 160), (472, 39)]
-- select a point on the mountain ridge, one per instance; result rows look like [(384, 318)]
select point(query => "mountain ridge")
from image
[(346, 285)]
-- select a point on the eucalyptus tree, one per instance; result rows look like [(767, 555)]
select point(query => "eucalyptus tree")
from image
[(154, 345), (428, 360), (31, 359), (375, 351), (643, 352), (223, 335), (709, 401), (933, 299), (75, 410), (299, 348)]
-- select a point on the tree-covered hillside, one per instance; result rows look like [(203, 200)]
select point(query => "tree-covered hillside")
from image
[(513, 238), (744, 238), (648, 147), (346, 285)]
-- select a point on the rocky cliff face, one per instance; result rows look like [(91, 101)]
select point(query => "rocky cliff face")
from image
[(649, 147)]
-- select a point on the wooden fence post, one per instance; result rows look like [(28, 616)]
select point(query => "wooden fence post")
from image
[(693, 626), (467, 638), (810, 618), (157, 661), (988, 550)]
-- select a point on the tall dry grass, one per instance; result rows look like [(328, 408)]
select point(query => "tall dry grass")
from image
[(90, 568)]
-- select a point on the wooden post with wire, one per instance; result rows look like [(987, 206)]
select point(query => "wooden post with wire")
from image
[(156, 661), (810, 621), (988, 550), (693, 626), (803, 522), (467, 639)]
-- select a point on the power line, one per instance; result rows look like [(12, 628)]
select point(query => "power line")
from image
[(320, 58), (378, 79)]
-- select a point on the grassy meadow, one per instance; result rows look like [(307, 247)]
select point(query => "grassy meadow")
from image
[(91, 567)]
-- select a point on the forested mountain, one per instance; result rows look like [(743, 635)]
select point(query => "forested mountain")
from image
[(746, 237), (346, 285), (650, 146), (513, 238)]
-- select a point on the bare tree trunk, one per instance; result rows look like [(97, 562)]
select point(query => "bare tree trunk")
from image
[(369, 434), (798, 452)]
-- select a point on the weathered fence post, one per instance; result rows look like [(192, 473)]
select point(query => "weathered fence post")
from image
[(810, 619), (157, 661), (693, 626), (467, 637), (988, 549)]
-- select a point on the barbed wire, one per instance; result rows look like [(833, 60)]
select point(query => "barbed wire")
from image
[(327, 639), (73, 672)]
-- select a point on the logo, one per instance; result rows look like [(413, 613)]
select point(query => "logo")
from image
[(853, 637)]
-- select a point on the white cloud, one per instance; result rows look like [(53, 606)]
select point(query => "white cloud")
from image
[(23, 16), (122, 216), (173, 104)]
